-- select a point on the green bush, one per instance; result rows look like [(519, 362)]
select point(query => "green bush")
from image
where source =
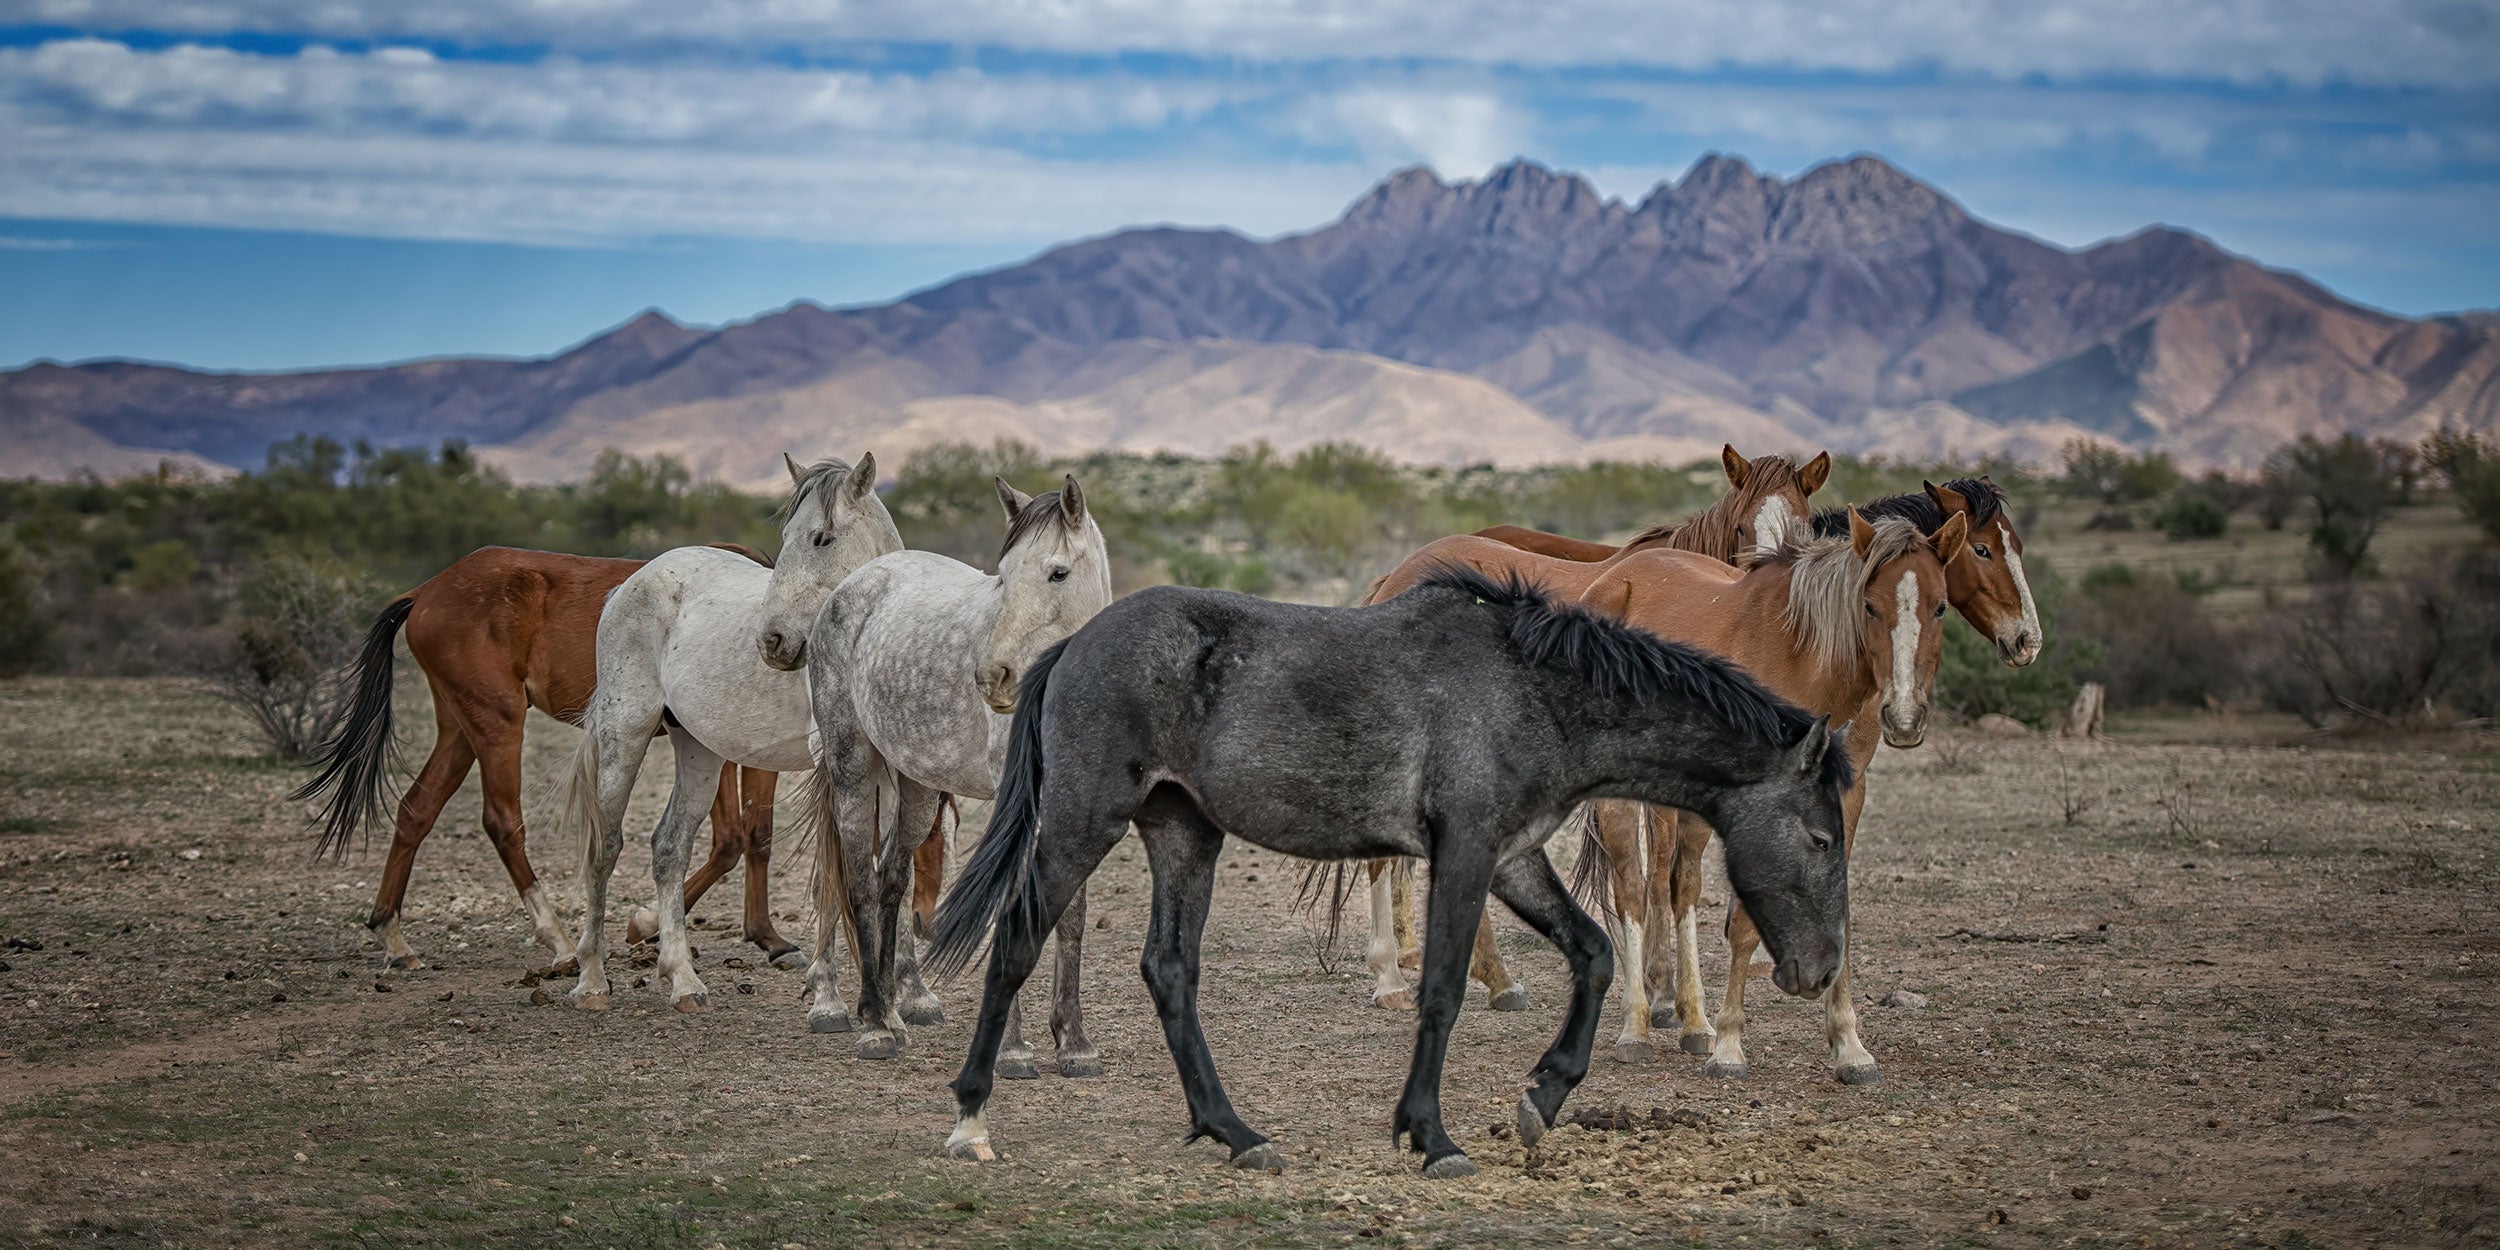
[(27, 626), (2190, 514), (1972, 681)]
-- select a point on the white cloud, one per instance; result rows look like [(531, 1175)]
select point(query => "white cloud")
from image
[(2435, 42), (1460, 133)]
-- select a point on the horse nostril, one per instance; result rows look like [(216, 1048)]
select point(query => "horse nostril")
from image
[(772, 643)]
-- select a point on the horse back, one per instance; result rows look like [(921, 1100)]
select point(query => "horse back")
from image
[(504, 622), (1562, 578)]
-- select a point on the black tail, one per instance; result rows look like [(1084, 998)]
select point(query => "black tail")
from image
[(997, 890), (355, 759), (1326, 883)]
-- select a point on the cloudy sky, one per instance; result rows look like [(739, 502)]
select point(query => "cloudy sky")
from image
[(266, 183)]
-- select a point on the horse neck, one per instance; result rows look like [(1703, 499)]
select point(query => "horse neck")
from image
[(1751, 623)]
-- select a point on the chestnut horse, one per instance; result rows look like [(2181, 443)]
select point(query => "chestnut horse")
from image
[(1846, 627), (499, 632), (1764, 507)]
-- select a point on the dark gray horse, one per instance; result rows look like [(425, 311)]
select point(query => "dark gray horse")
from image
[(1460, 722)]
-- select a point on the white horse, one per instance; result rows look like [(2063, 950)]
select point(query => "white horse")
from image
[(914, 670), (703, 644)]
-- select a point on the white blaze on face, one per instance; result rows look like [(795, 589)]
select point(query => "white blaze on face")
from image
[(1901, 703), (2022, 584), (1771, 525)]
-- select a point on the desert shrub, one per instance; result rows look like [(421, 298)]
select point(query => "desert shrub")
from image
[(2200, 509), (2471, 467), (1971, 681), (1598, 499), (2400, 651), (296, 623), (2154, 642), (27, 625), (2097, 470), (2347, 486)]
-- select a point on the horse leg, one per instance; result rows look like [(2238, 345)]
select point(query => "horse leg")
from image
[(1183, 852), (928, 868), (444, 770), (1727, 1053), (1077, 1056), (698, 781), (755, 818), (729, 845), (1485, 964), (1684, 838), (868, 836), (1621, 829), (1527, 885), (1402, 892), (915, 821), (1389, 987), (1015, 1055), (499, 772), (605, 766), (825, 1012), (1461, 873), (1067, 848), (1852, 1063)]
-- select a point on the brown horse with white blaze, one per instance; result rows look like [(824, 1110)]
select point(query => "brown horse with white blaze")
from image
[(503, 630), (1765, 507), (1846, 627)]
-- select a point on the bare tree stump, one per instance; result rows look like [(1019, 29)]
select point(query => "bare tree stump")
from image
[(2083, 717)]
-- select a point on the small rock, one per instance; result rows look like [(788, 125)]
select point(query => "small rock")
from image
[(301, 1157), (1999, 725), (540, 998), (191, 853), (381, 986), (1909, 999), (278, 997), (1104, 922), (443, 997), (2081, 1191)]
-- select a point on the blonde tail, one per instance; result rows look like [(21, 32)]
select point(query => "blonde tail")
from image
[(833, 881), (580, 800)]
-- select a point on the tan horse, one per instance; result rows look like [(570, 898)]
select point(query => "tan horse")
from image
[(1765, 506), (503, 630), (1843, 627)]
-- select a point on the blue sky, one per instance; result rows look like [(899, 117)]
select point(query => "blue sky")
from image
[(288, 183)]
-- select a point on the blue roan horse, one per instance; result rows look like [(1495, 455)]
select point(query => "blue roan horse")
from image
[(1459, 722)]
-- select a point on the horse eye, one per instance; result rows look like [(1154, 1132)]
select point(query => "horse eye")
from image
[(820, 538), (1982, 549), (1822, 841), (1940, 611), (1058, 575)]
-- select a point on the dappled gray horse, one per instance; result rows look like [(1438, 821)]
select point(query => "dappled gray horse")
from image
[(912, 669), (1459, 722)]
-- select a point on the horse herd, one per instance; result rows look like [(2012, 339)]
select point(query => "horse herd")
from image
[(1728, 674)]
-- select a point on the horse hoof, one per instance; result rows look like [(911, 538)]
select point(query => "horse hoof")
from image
[(1512, 999), (788, 961), (975, 1151), (1531, 1123), (591, 1002), (693, 1003), (1394, 1000), (830, 1022), (1021, 1069), (775, 947), (927, 1012), (1718, 1070), (1080, 1066), (569, 966), (407, 963), (1412, 960), (1860, 1074), (1697, 1043), (1260, 1158), (879, 1046), (1449, 1168), (1634, 1050), (644, 925)]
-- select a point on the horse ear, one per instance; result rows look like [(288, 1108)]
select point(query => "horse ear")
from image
[(863, 479), (1010, 498), (798, 476), (1818, 741), (1737, 466), (1948, 500), (1072, 503), (1954, 539), (1861, 534), (1816, 472)]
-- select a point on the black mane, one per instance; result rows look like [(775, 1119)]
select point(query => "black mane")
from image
[(1620, 659), (1986, 501)]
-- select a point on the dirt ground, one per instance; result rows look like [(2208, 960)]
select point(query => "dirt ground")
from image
[(2243, 995)]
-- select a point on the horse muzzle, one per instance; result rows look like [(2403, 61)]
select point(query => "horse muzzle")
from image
[(998, 689), (1801, 982), (2020, 649), (1905, 732), (780, 654)]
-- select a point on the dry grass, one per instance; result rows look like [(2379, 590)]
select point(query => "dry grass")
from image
[(2254, 1012)]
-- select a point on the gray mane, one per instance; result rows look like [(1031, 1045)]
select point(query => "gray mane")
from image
[(1827, 581), (827, 470), (1044, 507)]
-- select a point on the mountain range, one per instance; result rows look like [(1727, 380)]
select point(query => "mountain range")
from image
[(1519, 318)]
